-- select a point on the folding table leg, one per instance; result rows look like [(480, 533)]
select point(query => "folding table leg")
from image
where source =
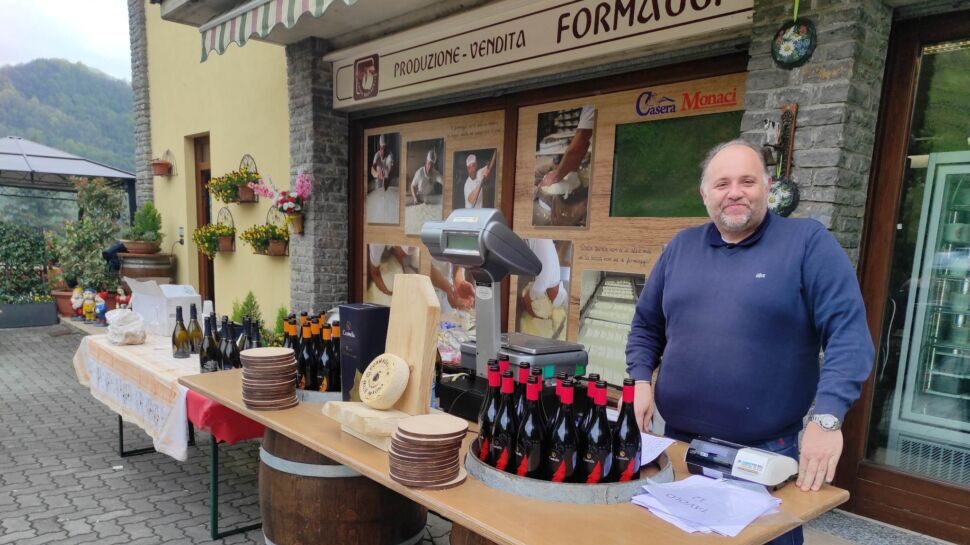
[(121, 443), (214, 498)]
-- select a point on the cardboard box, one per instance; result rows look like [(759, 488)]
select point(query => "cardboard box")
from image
[(363, 333), (156, 303)]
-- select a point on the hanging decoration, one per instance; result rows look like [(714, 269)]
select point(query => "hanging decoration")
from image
[(794, 42), (783, 195)]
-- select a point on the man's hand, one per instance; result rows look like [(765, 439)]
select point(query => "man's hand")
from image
[(550, 178), (642, 405), (464, 289), (820, 454)]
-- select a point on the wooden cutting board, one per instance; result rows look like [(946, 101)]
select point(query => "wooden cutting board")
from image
[(412, 334)]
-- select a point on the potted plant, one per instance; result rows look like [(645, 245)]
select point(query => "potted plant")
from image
[(214, 237), (144, 236), (289, 202), (79, 248), (161, 167), (234, 186), (267, 239), (24, 301)]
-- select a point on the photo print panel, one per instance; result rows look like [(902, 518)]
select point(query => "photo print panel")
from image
[(607, 302), (563, 167), (542, 304), (475, 178), (384, 262), (383, 201), (422, 200)]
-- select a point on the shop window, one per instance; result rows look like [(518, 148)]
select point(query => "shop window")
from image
[(656, 165)]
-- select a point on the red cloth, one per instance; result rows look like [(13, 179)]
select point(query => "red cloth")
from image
[(224, 423)]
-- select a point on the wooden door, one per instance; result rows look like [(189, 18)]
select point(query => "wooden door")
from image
[(899, 469), (203, 214)]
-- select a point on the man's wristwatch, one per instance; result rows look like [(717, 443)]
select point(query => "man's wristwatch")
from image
[(827, 422)]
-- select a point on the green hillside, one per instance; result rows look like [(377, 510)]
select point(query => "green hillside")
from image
[(70, 107)]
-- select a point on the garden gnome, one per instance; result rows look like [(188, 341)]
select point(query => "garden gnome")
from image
[(101, 307), (88, 306), (77, 300), (121, 300)]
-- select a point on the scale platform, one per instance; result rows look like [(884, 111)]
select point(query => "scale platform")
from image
[(551, 355)]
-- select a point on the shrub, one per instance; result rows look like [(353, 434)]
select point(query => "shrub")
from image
[(79, 249), (147, 224), (22, 259)]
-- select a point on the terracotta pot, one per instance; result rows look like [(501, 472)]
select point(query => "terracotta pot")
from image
[(161, 168), (227, 244), (63, 300), (296, 223), (276, 248), (245, 194), (142, 247)]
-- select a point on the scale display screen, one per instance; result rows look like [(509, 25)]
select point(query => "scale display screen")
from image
[(467, 242)]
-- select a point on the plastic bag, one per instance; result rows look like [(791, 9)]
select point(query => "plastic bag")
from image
[(125, 327)]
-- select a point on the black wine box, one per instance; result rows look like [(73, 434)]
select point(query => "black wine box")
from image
[(363, 333)]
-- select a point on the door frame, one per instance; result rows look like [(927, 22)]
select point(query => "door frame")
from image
[(203, 215), (918, 503)]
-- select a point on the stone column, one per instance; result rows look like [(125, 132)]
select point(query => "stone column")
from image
[(318, 145), (144, 190), (838, 94)]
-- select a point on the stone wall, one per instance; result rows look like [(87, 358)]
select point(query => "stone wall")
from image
[(319, 141), (142, 113), (838, 94)]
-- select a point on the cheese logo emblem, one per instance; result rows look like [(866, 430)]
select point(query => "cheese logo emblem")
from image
[(384, 381)]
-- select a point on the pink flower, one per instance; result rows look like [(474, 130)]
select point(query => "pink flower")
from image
[(303, 185)]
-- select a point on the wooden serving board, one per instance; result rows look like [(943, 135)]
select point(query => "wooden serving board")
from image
[(363, 419), (412, 333)]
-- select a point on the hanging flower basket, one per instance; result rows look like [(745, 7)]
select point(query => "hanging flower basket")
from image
[(161, 167), (245, 195), (277, 248), (267, 239), (214, 237), (295, 221), (227, 244), (290, 203), (233, 186)]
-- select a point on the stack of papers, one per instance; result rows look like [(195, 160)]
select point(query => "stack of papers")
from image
[(700, 504)]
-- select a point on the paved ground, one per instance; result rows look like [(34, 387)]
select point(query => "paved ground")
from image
[(62, 481)]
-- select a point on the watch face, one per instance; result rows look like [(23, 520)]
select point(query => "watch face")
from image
[(828, 421)]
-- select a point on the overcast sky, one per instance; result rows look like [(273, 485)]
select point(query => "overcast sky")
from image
[(94, 32)]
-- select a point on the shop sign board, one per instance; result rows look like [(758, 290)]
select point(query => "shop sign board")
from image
[(517, 38)]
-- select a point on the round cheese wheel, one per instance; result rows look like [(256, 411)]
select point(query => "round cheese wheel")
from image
[(383, 382)]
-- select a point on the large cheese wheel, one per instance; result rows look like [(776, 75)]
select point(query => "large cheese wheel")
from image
[(384, 381)]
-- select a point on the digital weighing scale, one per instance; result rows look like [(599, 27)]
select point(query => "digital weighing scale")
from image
[(480, 240)]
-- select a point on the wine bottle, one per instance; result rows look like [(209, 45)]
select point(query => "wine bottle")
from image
[(224, 342), (537, 373), (332, 368), (231, 355), (335, 336), (560, 378), (502, 445), (303, 319), (559, 463), (243, 339), (591, 386), (181, 345), (503, 363), (210, 360), (323, 356), (288, 335), (215, 332), (195, 331), (596, 456), (530, 438), (520, 386), (488, 412), (626, 438), (257, 336), (307, 362)]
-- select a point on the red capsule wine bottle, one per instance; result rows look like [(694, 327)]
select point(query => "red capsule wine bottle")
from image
[(559, 462), (626, 439), (537, 373), (502, 446), (591, 385), (503, 363), (596, 457), (560, 377), (530, 438), (488, 412), (520, 387)]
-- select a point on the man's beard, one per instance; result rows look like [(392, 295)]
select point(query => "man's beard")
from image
[(737, 222)]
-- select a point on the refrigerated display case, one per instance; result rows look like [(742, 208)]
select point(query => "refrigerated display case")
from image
[(929, 429)]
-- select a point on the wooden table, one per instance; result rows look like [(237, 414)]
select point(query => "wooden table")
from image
[(499, 516)]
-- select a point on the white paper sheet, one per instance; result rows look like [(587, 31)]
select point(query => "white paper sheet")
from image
[(700, 501), (651, 446)]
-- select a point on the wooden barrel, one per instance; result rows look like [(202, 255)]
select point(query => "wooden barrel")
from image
[(159, 267), (305, 497)]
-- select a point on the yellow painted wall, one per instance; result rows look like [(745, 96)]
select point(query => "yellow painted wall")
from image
[(240, 100)]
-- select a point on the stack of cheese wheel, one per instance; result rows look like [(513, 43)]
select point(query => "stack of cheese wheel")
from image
[(424, 451), (269, 378)]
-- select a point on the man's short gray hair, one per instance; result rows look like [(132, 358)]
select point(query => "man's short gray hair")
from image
[(736, 142)]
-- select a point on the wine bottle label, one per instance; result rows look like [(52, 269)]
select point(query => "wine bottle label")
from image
[(484, 449), (597, 464), (560, 463), (500, 452), (627, 463), (528, 455)]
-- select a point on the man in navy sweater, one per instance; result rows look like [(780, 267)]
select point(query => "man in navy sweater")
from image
[(737, 311)]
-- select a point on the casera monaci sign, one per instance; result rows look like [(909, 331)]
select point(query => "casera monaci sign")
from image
[(515, 38)]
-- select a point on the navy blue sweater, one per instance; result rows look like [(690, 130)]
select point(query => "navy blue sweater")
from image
[(739, 327)]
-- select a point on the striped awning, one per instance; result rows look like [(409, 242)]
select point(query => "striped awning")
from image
[(257, 19)]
